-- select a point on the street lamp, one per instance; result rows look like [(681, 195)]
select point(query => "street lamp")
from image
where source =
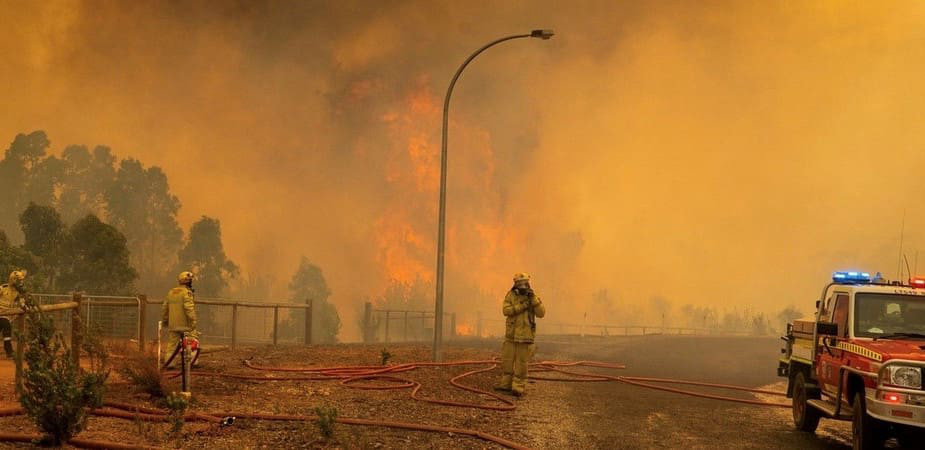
[(441, 228)]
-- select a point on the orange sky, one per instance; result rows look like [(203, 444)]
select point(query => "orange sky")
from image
[(715, 153)]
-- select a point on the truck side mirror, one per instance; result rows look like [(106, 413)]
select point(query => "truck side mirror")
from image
[(817, 304), (827, 328)]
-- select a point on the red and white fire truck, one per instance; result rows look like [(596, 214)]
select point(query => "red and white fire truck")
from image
[(861, 359)]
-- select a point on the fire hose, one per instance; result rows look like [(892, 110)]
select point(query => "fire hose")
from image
[(126, 411), (355, 376), (76, 442)]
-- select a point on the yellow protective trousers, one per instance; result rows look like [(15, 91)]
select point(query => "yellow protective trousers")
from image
[(515, 356), (173, 338)]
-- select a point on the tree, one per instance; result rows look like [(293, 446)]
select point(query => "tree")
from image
[(698, 316), (662, 308), (309, 286), (56, 392), (96, 259), (602, 307), (204, 254), (44, 235), (416, 295), (788, 315), (15, 258), (139, 203), (85, 180), (16, 170)]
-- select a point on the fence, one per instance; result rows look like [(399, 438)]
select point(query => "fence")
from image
[(220, 320), (393, 325), (56, 311), (496, 327)]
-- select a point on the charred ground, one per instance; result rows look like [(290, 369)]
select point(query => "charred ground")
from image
[(553, 415)]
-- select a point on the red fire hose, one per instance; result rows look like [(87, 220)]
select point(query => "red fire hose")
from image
[(76, 442), (355, 376)]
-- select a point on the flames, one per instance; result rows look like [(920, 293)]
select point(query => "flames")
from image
[(464, 330), (477, 229)]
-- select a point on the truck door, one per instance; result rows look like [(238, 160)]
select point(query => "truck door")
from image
[(832, 359)]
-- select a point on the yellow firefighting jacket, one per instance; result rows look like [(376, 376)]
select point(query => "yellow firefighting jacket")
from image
[(520, 313), (10, 297), (179, 310)]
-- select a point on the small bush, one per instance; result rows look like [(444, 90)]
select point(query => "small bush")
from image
[(56, 393), (327, 417), (384, 356), (142, 370), (176, 405)]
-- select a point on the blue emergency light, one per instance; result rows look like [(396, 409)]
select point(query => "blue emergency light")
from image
[(851, 277)]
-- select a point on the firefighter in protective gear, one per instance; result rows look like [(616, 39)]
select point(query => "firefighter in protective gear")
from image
[(179, 313), (11, 296), (521, 308)]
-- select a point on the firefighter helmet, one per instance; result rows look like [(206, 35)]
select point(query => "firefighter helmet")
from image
[(17, 277), (521, 276), (185, 277)]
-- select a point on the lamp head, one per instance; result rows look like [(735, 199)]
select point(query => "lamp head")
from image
[(542, 34)]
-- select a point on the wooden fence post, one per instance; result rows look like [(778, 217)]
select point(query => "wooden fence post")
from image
[(387, 313), (76, 332), (308, 320), (142, 320), (478, 324), (367, 322), (20, 337), (275, 322), (453, 325), (234, 326)]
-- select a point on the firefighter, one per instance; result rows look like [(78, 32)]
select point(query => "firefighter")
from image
[(11, 296), (521, 308), (179, 315)]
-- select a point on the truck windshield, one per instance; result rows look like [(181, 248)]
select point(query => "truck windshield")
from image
[(878, 315)]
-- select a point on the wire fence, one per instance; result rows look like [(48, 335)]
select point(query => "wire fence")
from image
[(391, 325), (109, 316), (222, 321), (476, 325), (60, 312)]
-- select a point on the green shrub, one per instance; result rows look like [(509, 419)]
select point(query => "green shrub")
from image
[(56, 392), (176, 405), (327, 417), (384, 356)]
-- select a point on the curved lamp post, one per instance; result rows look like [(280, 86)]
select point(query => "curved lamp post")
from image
[(441, 232)]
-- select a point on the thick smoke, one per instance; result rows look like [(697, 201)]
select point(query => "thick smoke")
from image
[(719, 153)]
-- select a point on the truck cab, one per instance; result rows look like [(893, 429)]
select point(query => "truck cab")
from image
[(860, 358)]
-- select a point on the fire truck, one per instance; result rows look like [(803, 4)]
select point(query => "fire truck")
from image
[(861, 359)]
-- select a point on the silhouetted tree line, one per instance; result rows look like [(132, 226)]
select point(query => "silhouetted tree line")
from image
[(87, 221)]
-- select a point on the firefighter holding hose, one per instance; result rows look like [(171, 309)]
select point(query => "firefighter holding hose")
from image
[(521, 308), (11, 296), (179, 316)]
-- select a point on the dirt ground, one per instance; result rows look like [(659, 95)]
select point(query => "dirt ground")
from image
[(553, 415)]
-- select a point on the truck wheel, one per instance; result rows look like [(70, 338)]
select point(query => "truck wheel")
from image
[(805, 417), (910, 437), (866, 431)]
